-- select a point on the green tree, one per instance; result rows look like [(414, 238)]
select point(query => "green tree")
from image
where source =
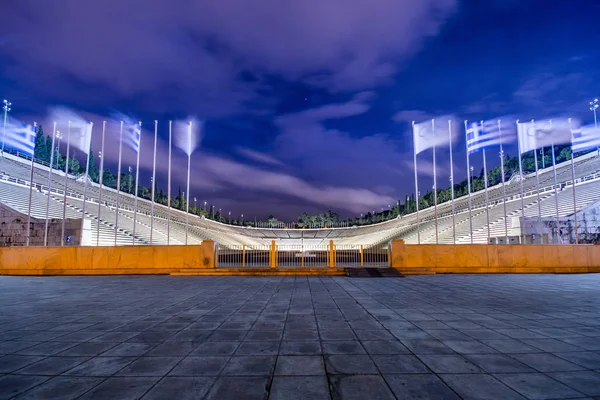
[(93, 171), (40, 151)]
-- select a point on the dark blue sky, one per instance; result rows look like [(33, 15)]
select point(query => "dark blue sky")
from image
[(306, 104)]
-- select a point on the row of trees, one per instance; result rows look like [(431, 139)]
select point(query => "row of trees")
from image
[(43, 151)]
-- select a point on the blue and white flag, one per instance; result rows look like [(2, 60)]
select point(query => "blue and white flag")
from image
[(432, 133), (132, 135), (534, 135), (585, 138), (20, 138), (489, 133)]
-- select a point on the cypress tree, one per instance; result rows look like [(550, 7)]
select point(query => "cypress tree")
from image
[(40, 145)]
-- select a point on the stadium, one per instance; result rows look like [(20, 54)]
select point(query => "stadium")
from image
[(575, 200)]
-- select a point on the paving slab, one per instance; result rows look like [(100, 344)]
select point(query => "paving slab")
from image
[(428, 337)]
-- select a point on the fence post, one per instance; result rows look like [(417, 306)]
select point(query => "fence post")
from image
[(272, 255), (216, 254), (243, 255), (302, 256), (331, 254), (362, 257)]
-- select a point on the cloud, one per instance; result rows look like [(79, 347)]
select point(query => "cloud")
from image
[(226, 178), (258, 156), (554, 94), (206, 56), (364, 159), (409, 116)]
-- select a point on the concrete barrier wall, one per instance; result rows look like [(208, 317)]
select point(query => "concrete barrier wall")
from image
[(120, 260), (482, 258)]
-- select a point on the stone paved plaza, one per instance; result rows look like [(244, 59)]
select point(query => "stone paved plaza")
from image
[(428, 337)]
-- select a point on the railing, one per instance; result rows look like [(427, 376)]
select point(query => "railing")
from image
[(302, 256), (299, 256), (361, 256), (243, 256)]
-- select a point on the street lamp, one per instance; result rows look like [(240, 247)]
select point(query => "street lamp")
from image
[(58, 136), (593, 108), (6, 108), (242, 219), (229, 217), (204, 206), (472, 169), (195, 203)]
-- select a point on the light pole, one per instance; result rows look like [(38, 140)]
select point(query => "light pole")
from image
[(472, 174), (6, 108), (229, 218), (58, 136), (129, 180), (242, 220), (593, 108), (195, 206), (204, 206)]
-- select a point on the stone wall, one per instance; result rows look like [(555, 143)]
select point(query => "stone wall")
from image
[(13, 230), (588, 223)]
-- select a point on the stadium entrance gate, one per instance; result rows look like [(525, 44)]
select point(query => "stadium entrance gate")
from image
[(298, 256)]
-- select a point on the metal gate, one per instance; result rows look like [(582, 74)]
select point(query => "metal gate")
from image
[(361, 255), (299, 256)]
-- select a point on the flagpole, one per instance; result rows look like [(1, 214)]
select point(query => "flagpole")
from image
[(118, 181), (30, 193), (187, 203), (573, 179), (537, 189), (485, 182), (87, 177), (153, 181), (62, 230), (503, 183), (137, 175), (522, 191), (451, 180), (100, 182), (49, 184), (416, 185), (169, 189), (469, 187), (555, 191), (434, 185)]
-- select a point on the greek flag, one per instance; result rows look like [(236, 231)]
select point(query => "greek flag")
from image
[(585, 138), (489, 133), (131, 136), (20, 138)]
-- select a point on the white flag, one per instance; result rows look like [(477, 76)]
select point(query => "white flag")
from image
[(80, 130), (81, 135), (533, 135), (433, 133)]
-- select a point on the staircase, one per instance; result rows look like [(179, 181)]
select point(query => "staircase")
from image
[(355, 272)]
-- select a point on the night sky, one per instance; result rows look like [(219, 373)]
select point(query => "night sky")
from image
[(306, 104)]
